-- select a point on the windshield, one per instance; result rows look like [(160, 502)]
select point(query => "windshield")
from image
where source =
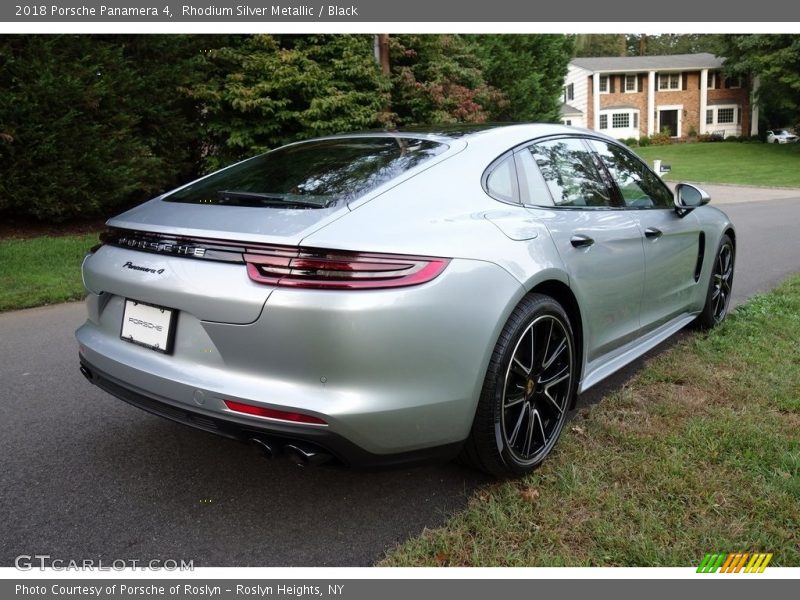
[(315, 174)]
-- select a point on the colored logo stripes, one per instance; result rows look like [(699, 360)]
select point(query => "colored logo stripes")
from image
[(735, 562)]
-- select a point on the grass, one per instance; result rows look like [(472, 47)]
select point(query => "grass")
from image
[(42, 270), (773, 165), (700, 452)]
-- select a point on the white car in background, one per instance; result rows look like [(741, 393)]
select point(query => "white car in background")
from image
[(781, 136)]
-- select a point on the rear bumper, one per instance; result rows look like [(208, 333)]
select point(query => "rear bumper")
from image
[(277, 435), (391, 372)]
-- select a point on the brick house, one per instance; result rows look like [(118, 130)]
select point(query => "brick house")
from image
[(633, 96)]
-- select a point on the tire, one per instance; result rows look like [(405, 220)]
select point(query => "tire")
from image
[(718, 296), (528, 390)]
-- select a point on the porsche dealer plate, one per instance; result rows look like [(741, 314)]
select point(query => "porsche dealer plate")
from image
[(148, 325)]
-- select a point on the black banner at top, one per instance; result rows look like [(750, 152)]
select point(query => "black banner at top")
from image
[(396, 11)]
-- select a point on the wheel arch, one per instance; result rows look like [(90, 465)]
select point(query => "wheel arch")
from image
[(561, 293), (731, 233)]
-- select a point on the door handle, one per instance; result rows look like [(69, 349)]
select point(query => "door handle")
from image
[(581, 241), (653, 233)]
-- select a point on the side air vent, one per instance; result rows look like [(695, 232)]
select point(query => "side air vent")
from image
[(701, 252)]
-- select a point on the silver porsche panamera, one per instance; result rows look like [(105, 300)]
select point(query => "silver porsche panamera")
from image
[(381, 298)]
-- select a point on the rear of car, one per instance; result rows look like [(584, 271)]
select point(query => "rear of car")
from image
[(207, 307)]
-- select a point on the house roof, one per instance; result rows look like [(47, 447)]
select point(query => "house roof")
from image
[(617, 64), (568, 111)]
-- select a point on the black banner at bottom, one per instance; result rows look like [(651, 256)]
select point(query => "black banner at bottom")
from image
[(705, 586)]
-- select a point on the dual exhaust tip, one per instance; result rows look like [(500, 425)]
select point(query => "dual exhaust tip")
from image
[(301, 454)]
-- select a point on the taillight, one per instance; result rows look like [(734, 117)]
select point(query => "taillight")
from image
[(333, 269), (271, 413)]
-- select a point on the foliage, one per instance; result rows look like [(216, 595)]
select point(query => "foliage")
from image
[(662, 138), (264, 91), (600, 44), (644, 140), (439, 79), (673, 43), (90, 123), (775, 59), (529, 70)]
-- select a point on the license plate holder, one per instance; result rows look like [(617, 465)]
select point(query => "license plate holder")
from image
[(148, 325)]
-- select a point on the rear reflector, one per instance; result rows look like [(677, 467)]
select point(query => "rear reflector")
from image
[(270, 413), (331, 269)]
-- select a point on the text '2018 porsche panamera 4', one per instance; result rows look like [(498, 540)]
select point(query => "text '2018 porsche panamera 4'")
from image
[(381, 298)]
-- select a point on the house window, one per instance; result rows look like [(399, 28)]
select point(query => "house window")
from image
[(620, 120), (603, 84), (669, 81), (733, 82), (569, 92), (712, 80), (567, 121), (631, 83), (725, 115)]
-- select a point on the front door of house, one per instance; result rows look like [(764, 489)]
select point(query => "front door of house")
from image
[(668, 120)]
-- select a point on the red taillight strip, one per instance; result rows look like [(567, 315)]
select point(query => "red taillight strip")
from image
[(270, 413), (291, 266), (342, 270)]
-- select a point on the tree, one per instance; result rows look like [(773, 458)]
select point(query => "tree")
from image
[(600, 44), (439, 79), (90, 124), (775, 59), (529, 71), (267, 90), (673, 43)]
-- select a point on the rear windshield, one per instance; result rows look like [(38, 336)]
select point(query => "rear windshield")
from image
[(316, 174)]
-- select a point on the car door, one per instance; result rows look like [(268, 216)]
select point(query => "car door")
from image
[(600, 244), (671, 243)]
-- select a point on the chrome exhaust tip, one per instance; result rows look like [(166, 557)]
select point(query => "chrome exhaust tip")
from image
[(304, 456), (263, 448), (87, 373)]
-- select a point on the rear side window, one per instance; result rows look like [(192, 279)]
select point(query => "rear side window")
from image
[(569, 173), (501, 182), (315, 174)]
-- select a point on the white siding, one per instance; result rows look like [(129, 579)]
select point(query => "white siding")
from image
[(579, 78)]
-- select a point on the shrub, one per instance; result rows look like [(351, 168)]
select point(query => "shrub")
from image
[(709, 137), (644, 141), (662, 138)]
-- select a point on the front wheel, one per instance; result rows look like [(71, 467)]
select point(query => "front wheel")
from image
[(718, 296), (527, 392)]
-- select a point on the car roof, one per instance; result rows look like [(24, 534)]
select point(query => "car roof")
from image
[(515, 133)]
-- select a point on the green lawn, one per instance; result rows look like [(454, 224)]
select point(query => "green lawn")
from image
[(42, 270), (699, 453), (773, 165)]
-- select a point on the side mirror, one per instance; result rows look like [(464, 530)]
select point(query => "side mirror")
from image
[(688, 197)]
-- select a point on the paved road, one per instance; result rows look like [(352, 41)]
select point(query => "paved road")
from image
[(83, 475)]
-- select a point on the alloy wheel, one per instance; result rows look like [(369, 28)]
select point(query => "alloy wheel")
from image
[(536, 390)]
